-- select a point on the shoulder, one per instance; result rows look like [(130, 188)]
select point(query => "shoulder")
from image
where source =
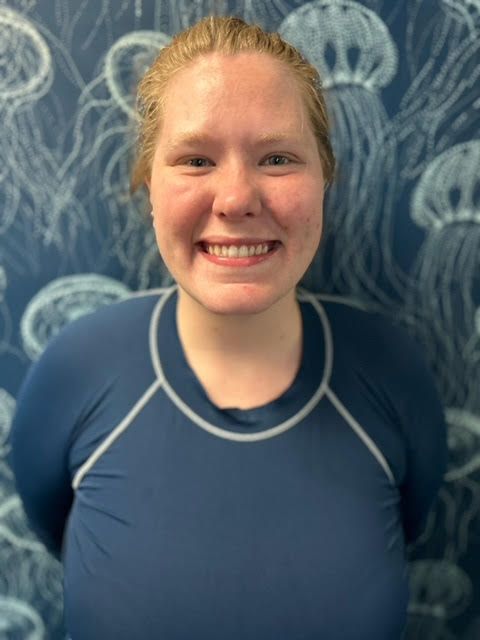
[(115, 328), (95, 348), (372, 352), (372, 339)]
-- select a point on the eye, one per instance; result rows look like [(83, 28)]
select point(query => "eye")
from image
[(200, 163), (277, 160)]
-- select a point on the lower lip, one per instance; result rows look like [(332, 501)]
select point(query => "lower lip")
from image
[(249, 261)]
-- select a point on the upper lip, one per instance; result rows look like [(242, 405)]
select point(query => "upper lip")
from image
[(222, 240)]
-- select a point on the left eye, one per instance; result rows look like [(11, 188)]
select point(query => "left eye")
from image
[(277, 160)]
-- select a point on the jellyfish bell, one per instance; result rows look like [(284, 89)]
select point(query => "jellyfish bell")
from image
[(26, 69), (127, 61), (348, 43), (449, 189), (438, 588), (463, 444), (18, 619), (62, 301)]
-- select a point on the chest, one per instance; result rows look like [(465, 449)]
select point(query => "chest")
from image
[(294, 537)]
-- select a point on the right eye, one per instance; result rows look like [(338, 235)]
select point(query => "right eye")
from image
[(200, 163)]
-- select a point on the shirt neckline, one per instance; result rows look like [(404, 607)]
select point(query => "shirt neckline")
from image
[(273, 418)]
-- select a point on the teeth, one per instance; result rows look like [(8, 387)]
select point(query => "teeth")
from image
[(234, 251)]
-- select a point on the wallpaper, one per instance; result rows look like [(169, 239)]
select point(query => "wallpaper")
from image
[(402, 226)]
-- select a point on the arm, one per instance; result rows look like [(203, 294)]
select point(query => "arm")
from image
[(427, 451), (46, 416), (384, 369)]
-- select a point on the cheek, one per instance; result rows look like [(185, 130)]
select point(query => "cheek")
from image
[(175, 206)]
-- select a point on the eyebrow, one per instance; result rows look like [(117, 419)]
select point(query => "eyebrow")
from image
[(194, 138), (189, 138)]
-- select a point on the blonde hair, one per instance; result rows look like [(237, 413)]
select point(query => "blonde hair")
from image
[(226, 35)]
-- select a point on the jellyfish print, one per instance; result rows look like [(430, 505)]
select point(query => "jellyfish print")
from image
[(443, 298), (472, 355), (463, 444), (62, 301), (29, 74), (5, 320), (458, 513), (463, 11), (7, 325), (18, 619), (268, 13), (439, 592), (28, 571), (356, 57), (172, 16), (28, 158), (440, 106), (436, 28), (102, 155), (26, 76), (152, 272), (455, 520), (7, 408)]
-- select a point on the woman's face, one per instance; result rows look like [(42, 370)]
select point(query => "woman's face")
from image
[(236, 186)]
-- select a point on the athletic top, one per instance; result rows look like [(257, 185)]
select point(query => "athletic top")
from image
[(177, 520)]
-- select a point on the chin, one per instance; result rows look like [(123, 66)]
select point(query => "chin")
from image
[(237, 299)]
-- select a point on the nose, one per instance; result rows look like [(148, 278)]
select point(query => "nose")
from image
[(237, 193)]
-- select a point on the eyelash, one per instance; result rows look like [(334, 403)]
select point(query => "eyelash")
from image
[(282, 157), (192, 162)]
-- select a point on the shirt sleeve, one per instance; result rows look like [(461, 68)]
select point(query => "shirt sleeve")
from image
[(410, 387), (49, 407), (426, 446), (384, 368)]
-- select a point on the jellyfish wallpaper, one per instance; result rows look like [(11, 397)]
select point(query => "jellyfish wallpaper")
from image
[(401, 230)]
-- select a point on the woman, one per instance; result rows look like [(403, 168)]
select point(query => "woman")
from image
[(247, 462)]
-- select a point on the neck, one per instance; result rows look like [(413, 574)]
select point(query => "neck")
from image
[(242, 360), (271, 334)]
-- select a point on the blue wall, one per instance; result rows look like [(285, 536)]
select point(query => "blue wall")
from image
[(402, 234)]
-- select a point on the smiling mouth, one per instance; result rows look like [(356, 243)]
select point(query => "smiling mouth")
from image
[(239, 251)]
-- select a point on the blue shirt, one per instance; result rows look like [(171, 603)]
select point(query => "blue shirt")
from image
[(178, 520)]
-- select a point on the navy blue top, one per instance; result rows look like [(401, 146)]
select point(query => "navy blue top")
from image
[(177, 520)]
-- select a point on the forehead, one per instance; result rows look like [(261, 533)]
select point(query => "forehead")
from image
[(215, 84)]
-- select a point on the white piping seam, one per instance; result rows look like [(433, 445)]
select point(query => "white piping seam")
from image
[(139, 405), (232, 435), (367, 441), (117, 431), (145, 293)]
